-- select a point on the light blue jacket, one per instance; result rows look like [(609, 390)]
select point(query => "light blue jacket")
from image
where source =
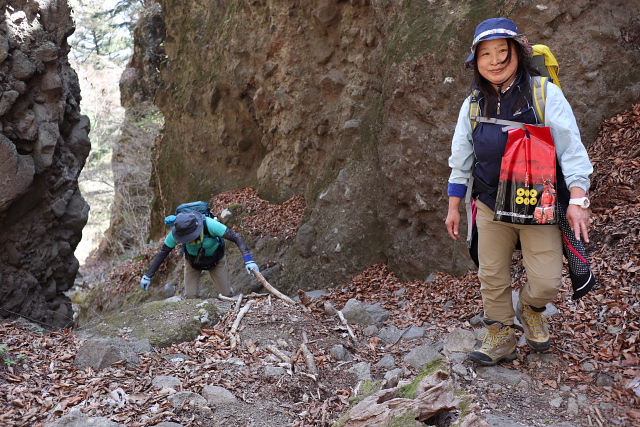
[(571, 153)]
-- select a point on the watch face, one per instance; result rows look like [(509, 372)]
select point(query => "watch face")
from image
[(586, 203)]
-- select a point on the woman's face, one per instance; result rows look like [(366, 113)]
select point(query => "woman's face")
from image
[(492, 60)]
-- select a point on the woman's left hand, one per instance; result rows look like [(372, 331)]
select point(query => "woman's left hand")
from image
[(578, 218)]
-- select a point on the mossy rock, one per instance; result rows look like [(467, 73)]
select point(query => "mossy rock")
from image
[(163, 323), (409, 391)]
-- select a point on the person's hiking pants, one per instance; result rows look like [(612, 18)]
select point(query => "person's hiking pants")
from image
[(542, 257), (219, 274)]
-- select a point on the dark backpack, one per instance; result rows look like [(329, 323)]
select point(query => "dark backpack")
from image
[(200, 261), (200, 206)]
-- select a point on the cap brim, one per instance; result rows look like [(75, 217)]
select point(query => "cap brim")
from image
[(468, 63), (189, 237), (522, 41)]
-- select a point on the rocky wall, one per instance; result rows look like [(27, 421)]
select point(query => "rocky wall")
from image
[(44, 143), (353, 104)]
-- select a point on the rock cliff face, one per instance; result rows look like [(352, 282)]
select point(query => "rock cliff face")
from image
[(43, 143), (352, 104)]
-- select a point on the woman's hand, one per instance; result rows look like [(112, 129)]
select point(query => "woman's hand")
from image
[(578, 218), (453, 218)]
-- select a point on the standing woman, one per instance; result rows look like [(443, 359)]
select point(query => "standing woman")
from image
[(502, 78)]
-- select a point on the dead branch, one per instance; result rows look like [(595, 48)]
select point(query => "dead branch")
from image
[(236, 323), (270, 288), (308, 356), (344, 322), (238, 303), (280, 355), (223, 298)]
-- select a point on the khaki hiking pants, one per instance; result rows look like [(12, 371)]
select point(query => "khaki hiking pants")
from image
[(219, 274), (542, 256)]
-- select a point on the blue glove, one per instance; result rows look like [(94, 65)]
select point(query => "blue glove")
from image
[(170, 220), (145, 283), (250, 265)]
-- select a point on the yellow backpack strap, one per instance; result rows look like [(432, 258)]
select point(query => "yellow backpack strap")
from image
[(474, 109), (550, 61), (539, 89)]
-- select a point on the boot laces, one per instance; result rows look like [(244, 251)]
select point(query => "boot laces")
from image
[(536, 321), (493, 339)]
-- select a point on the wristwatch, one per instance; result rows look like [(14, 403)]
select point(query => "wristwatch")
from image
[(583, 202)]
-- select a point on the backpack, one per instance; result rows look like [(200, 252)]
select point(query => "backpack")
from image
[(546, 63), (200, 206), (202, 262)]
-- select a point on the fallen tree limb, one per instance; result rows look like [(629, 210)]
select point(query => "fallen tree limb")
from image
[(236, 323), (270, 288), (241, 313), (308, 356), (280, 355), (344, 322), (238, 303)]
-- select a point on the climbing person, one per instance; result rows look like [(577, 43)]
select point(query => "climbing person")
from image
[(204, 250), (503, 85)]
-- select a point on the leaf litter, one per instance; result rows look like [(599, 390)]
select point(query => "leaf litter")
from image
[(595, 338)]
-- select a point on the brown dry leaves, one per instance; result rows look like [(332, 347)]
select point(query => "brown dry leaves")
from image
[(259, 217), (599, 334), (44, 384)]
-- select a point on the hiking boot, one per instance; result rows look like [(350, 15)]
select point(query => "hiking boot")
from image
[(498, 343), (535, 326)]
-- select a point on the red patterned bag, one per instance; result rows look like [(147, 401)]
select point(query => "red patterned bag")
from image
[(527, 188)]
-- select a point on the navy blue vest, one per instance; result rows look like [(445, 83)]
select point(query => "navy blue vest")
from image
[(489, 141)]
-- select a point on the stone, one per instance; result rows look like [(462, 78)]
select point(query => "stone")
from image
[(340, 353), (76, 418), (501, 375), (355, 311), (333, 81), (495, 420), (33, 37), (421, 355), (7, 100), (544, 359), (604, 380), (326, 14), (390, 334), (47, 52), (183, 398), (362, 370), (217, 395), (102, 352), (412, 333), (459, 341), (48, 135), (167, 381), (17, 172), (556, 402), (388, 361), (23, 68), (274, 371), (51, 82), (4, 48), (459, 369)]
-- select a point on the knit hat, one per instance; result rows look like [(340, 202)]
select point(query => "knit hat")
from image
[(497, 28), (188, 226)]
